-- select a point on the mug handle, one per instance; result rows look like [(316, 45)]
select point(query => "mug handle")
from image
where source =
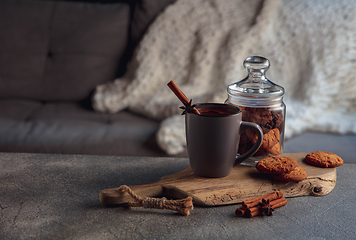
[(258, 130)]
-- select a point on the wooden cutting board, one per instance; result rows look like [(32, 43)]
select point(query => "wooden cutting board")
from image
[(243, 183)]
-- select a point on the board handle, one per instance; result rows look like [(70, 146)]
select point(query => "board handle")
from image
[(112, 196)]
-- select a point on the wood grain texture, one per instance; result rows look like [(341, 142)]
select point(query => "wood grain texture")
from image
[(242, 184)]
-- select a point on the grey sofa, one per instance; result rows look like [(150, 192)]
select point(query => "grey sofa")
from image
[(52, 56), (54, 53)]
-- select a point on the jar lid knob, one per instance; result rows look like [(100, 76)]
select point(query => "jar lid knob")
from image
[(256, 66)]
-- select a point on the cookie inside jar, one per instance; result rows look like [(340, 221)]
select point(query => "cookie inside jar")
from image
[(271, 120), (261, 102)]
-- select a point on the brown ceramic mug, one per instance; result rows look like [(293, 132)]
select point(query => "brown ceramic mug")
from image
[(213, 139)]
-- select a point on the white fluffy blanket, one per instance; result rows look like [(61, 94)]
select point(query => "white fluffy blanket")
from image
[(201, 45)]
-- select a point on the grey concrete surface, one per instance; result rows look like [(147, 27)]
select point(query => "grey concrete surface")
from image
[(56, 197)]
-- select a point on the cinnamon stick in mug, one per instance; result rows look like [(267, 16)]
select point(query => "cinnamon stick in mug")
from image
[(180, 95)]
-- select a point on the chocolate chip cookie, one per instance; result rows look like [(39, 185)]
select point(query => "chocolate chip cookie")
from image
[(323, 159), (276, 165), (296, 175)]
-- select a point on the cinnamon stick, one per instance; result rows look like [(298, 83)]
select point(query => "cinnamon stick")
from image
[(180, 95), (241, 211), (254, 202)]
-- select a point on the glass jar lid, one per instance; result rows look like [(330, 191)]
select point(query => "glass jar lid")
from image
[(256, 89)]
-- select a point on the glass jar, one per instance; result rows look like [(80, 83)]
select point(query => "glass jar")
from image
[(262, 103)]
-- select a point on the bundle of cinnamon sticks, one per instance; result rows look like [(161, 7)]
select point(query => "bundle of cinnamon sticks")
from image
[(264, 204)]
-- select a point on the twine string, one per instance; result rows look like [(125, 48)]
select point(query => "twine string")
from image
[(181, 205)]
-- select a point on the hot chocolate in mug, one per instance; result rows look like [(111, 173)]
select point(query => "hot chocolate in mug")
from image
[(213, 139)]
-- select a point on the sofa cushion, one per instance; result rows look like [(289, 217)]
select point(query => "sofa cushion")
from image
[(65, 127), (17, 109), (59, 50)]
